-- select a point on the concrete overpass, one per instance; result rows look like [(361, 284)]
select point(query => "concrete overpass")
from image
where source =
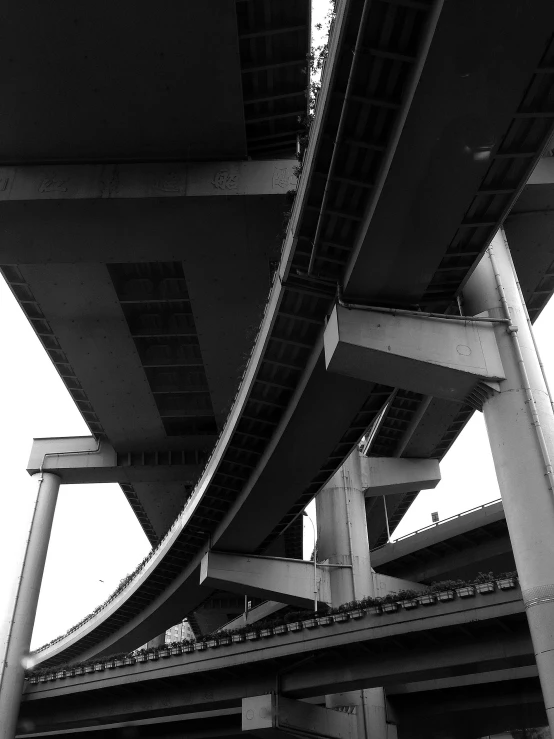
[(286, 394), (484, 641), (116, 181), (428, 91), (459, 547)]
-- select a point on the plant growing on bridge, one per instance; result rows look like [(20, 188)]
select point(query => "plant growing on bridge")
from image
[(484, 577), (408, 598), (484, 582), (442, 585), (123, 583)]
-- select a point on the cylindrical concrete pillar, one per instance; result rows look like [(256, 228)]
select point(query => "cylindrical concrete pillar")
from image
[(520, 426), (17, 638), (342, 533), (342, 539)]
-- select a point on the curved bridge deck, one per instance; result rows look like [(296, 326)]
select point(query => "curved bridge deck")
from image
[(293, 423)]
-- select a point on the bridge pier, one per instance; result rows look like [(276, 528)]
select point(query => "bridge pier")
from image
[(342, 539), (520, 426), (19, 629), (487, 359)]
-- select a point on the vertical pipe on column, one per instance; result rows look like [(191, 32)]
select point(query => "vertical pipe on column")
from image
[(20, 629), (386, 518), (520, 291), (346, 481), (512, 331), (520, 426)]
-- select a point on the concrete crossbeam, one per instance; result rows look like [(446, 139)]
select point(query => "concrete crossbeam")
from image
[(273, 715), (289, 581), (285, 580), (82, 459), (157, 180), (389, 475), (446, 359)]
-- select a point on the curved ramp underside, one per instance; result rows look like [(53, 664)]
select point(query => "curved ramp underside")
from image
[(406, 219)]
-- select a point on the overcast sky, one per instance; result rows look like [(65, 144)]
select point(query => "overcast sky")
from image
[(96, 539)]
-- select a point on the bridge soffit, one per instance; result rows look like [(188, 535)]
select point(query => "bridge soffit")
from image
[(82, 459)]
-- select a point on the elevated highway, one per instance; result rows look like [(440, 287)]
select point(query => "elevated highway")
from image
[(459, 547), (484, 640), (408, 119), (139, 236)]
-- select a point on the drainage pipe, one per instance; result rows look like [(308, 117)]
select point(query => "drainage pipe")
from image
[(527, 317), (520, 425), (512, 331)]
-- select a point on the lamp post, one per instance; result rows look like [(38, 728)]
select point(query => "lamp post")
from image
[(315, 559)]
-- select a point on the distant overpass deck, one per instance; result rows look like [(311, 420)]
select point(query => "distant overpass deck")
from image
[(457, 547), (478, 637), (292, 423)]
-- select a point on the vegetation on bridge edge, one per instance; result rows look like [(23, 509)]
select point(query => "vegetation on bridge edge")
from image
[(293, 620)]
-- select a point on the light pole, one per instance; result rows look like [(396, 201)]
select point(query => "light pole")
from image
[(315, 560)]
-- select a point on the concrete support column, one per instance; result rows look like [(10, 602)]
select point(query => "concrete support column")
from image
[(17, 638), (342, 533), (520, 426), (342, 539)]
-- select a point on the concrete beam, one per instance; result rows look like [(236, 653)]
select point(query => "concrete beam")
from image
[(390, 475), (291, 581), (163, 180), (81, 459), (288, 581), (446, 359), (272, 716)]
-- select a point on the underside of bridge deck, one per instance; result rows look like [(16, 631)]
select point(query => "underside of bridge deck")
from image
[(420, 652), (147, 302), (126, 81), (129, 285), (392, 224), (147, 279)]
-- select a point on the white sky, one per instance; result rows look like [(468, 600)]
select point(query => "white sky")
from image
[(96, 539)]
